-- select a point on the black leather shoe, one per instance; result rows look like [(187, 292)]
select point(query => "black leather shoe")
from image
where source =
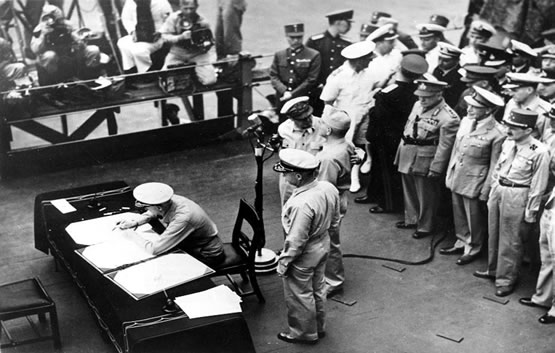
[(403, 225), (363, 199), (504, 291), (451, 251), (547, 319), (285, 337), (376, 209), (466, 259), (420, 235), (484, 275), (529, 302)]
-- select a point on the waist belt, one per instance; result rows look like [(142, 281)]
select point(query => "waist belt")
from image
[(411, 141), (509, 184)]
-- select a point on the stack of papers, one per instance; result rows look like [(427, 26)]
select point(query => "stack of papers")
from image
[(214, 301), (98, 230)]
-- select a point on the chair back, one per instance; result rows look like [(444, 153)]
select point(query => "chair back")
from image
[(243, 243)]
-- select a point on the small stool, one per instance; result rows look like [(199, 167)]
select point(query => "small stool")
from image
[(24, 298)]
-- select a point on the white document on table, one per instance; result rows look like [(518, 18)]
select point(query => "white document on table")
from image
[(98, 230), (63, 206), (116, 252), (160, 273), (219, 300)]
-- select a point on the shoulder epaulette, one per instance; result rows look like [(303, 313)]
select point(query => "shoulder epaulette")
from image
[(390, 88), (345, 38), (451, 112), (317, 36)]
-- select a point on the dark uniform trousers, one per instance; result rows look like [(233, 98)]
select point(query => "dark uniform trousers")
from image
[(330, 48), (388, 117)]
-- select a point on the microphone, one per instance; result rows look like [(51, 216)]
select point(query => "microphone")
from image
[(255, 119)]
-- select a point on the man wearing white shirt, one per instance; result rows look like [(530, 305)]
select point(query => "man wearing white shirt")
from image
[(388, 58), (138, 45), (480, 32)]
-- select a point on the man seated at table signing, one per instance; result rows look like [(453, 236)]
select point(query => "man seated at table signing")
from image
[(188, 227)]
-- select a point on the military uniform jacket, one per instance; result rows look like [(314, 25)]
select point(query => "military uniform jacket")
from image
[(330, 48), (307, 217), (474, 157), (530, 166), (309, 139), (456, 87), (437, 126), (392, 108), (295, 70)]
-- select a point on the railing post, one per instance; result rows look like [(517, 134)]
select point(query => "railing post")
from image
[(244, 103)]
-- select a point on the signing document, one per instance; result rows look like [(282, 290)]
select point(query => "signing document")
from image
[(99, 230)]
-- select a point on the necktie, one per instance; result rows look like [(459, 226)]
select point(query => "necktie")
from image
[(511, 158), (473, 124)]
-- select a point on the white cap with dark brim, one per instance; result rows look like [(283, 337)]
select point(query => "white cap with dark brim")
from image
[(153, 193)]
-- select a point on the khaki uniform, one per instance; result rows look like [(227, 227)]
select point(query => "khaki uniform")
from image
[(468, 177), (335, 168), (428, 138), (309, 140), (308, 217), (545, 290), (512, 208)]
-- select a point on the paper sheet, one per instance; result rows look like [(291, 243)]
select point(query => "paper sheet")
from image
[(98, 230), (214, 301), (160, 273), (115, 253), (63, 206)]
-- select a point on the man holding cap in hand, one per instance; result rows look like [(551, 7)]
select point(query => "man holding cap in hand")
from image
[(188, 227), (520, 179), (477, 148), (308, 216), (294, 71)]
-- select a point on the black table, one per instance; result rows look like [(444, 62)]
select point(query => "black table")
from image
[(131, 325)]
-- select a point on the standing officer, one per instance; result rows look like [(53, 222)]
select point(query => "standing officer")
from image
[(519, 183), (388, 58), (335, 167), (480, 32), (423, 154), (307, 217), (447, 70), (330, 44), (392, 107), (476, 75), (477, 148), (430, 34), (294, 71), (301, 131), (525, 96), (545, 290)]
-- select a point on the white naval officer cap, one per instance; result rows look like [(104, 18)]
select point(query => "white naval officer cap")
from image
[(293, 160), (358, 50), (483, 98), (297, 108), (153, 193), (523, 49)]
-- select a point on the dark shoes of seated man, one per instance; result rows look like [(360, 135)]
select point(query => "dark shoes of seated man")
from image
[(364, 199)]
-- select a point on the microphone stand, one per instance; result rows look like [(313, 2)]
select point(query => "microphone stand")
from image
[(265, 259)]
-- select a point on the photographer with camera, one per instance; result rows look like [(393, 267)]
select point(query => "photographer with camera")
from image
[(192, 41), (62, 53)]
